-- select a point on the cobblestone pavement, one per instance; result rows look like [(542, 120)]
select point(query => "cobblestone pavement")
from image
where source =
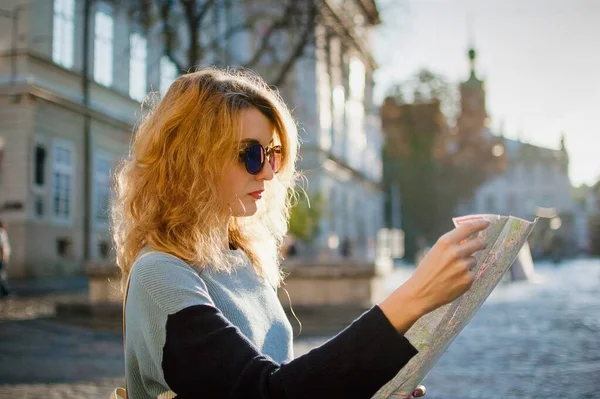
[(42, 357), (527, 341)]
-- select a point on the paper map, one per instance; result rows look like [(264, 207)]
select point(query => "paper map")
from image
[(434, 332)]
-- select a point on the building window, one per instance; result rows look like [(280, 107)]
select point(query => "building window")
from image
[(168, 74), (62, 177), (137, 66), (40, 165), (339, 103), (64, 247), (62, 39), (103, 45), (102, 166), (356, 111)]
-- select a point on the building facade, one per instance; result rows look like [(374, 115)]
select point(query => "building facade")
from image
[(71, 89), (342, 146), (69, 97), (536, 177)]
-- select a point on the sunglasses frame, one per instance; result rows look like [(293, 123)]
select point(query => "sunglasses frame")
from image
[(267, 154)]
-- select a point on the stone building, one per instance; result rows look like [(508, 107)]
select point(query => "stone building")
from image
[(70, 96), (67, 119), (345, 139)]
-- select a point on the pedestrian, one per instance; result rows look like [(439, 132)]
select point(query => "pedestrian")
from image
[(346, 248), (4, 257), (200, 212)]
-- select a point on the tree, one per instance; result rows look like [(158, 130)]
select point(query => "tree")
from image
[(436, 165), (412, 131), (199, 32), (426, 87), (305, 216)]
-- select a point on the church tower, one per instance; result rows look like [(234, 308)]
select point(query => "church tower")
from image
[(473, 115)]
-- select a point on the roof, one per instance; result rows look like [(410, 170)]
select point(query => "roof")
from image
[(516, 149)]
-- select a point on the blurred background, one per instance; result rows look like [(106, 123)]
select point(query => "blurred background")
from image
[(411, 112)]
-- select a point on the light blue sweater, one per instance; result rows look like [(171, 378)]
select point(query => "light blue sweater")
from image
[(162, 285)]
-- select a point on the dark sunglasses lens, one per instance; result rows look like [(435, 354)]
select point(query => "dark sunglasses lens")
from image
[(255, 159)]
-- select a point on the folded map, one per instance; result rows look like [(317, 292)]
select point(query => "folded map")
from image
[(434, 332)]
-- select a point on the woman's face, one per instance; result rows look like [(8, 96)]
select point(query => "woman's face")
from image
[(242, 191)]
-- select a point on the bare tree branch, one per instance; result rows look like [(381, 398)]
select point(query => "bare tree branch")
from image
[(278, 25), (169, 33), (209, 5), (193, 27), (298, 51), (229, 33), (296, 19)]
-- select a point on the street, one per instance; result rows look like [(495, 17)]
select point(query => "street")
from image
[(529, 340)]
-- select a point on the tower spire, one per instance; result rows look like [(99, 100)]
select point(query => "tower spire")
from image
[(472, 54), (472, 57)]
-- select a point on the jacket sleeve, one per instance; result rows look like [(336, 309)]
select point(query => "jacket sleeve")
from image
[(206, 356)]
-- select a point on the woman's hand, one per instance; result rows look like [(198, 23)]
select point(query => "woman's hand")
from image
[(445, 273)]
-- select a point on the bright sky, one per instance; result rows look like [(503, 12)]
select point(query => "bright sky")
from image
[(540, 60)]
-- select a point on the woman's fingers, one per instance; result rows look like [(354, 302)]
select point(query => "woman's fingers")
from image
[(445, 273), (464, 231), (469, 247)]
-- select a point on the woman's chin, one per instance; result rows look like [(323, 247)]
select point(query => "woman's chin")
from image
[(250, 208)]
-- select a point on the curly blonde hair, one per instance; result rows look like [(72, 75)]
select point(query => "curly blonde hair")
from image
[(167, 189)]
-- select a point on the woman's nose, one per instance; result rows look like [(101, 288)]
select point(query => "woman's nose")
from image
[(266, 173)]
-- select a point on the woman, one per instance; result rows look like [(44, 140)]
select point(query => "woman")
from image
[(201, 210)]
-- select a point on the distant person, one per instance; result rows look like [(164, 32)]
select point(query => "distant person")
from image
[(4, 257), (346, 248), (199, 217), (289, 247)]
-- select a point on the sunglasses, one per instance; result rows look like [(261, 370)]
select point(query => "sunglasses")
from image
[(255, 155)]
